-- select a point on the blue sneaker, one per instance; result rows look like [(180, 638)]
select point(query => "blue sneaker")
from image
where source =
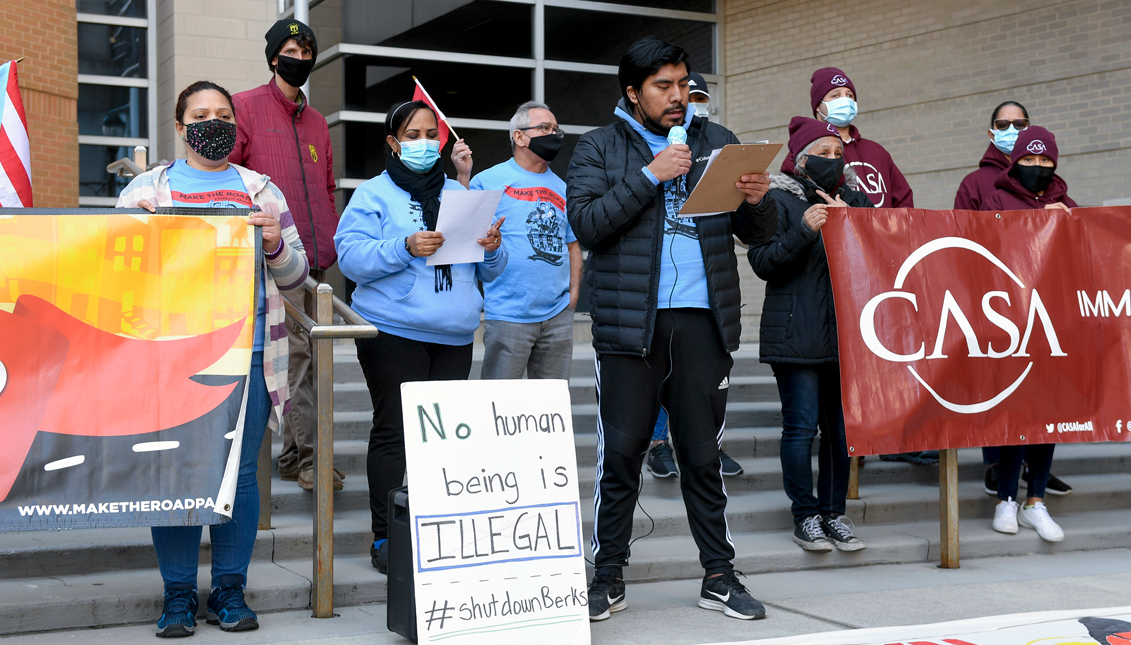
[(227, 609), (178, 617)]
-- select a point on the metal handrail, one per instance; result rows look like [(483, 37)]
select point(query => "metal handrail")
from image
[(322, 332)]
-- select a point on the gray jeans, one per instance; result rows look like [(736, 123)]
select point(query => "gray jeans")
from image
[(539, 350), (300, 424)]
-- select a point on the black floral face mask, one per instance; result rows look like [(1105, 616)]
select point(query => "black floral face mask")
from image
[(212, 139)]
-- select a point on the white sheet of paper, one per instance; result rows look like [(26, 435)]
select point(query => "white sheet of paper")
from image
[(710, 160), (465, 216)]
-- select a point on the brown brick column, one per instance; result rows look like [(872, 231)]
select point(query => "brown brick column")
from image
[(45, 32)]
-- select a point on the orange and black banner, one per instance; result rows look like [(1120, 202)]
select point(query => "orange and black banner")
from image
[(125, 345)]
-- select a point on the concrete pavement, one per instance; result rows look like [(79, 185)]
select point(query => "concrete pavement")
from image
[(798, 602)]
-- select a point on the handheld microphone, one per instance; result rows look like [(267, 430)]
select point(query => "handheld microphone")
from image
[(677, 135)]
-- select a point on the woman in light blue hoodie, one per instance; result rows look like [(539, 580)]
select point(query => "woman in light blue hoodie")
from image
[(427, 314)]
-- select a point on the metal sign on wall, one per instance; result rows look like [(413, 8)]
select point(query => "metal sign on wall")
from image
[(963, 328)]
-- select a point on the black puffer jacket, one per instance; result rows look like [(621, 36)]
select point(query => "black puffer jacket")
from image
[(798, 319), (618, 214)]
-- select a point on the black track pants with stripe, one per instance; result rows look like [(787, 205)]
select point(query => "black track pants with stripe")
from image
[(687, 370)]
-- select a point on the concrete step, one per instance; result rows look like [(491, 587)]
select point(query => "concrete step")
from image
[(758, 451), (347, 369), (354, 395), (134, 596), (740, 414)]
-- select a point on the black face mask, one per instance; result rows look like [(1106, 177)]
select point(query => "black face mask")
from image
[(294, 71), (1035, 179), (826, 173), (212, 139), (546, 146)]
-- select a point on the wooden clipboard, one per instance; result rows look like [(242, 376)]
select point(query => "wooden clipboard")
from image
[(715, 193)]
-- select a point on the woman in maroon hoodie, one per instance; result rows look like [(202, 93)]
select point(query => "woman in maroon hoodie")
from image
[(1030, 182), (1006, 124), (833, 99)]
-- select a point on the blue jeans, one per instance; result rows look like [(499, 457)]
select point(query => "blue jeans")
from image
[(1039, 458), (660, 433), (178, 547), (810, 400)]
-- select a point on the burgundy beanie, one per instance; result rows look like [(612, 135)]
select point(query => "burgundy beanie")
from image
[(824, 81), (1034, 140), (803, 131)]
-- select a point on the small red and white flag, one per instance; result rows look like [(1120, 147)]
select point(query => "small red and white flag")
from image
[(421, 94), (15, 152)]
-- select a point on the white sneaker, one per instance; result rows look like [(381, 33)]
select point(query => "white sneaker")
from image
[(1005, 517), (1037, 517)]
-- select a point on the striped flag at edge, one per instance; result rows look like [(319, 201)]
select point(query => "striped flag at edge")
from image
[(15, 152)]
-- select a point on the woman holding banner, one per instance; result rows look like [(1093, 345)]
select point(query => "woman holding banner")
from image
[(1029, 182), (427, 314), (798, 332), (206, 122), (1007, 122)]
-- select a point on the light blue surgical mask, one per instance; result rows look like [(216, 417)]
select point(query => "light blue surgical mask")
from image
[(841, 111), (1004, 139), (420, 155), (702, 109)]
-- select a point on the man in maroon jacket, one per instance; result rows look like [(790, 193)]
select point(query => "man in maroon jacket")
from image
[(833, 99), (281, 136)]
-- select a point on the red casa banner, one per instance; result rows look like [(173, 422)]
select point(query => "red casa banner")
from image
[(963, 328)]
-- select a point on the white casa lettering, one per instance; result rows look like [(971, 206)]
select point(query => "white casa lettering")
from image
[(1103, 305), (1018, 345)]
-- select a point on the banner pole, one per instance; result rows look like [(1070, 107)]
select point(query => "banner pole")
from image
[(854, 477), (948, 507), (322, 598)]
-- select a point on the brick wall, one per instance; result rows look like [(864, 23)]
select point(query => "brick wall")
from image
[(45, 32), (216, 40), (929, 73)]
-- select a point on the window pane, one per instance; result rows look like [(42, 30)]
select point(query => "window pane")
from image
[(607, 39), (479, 27), (704, 6), (124, 8), (470, 91), (582, 99), (110, 50), (106, 110), (93, 178)]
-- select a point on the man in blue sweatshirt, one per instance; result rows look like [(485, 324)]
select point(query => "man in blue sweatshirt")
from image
[(528, 310), (665, 300)]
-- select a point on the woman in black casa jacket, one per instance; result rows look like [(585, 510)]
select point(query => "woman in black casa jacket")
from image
[(798, 334)]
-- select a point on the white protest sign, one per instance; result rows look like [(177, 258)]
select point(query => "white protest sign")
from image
[(496, 521)]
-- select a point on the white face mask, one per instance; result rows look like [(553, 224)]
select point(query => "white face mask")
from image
[(702, 109)]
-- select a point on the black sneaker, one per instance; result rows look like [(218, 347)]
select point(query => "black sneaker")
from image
[(226, 608), (178, 617), (810, 536), (841, 535), (726, 594), (731, 467), (1056, 486), (606, 595), (990, 485), (660, 461), (379, 557)]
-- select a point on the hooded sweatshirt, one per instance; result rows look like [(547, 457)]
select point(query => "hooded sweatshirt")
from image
[(1009, 194), (396, 291), (879, 178), (978, 185)]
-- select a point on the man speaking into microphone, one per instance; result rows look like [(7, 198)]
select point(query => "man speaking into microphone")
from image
[(664, 297)]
